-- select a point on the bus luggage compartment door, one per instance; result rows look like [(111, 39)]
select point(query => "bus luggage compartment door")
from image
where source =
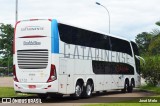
[(66, 76)]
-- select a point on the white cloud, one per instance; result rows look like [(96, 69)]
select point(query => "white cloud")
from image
[(128, 17)]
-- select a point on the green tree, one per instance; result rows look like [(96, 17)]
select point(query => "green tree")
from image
[(143, 40), (149, 46), (154, 46), (158, 23), (6, 39), (146, 41), (151, 69), (156, 32)]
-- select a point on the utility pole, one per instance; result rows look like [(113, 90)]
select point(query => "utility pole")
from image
[(16, 15)]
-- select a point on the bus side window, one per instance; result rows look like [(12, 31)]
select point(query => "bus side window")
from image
[(136, 53), (120, 45)]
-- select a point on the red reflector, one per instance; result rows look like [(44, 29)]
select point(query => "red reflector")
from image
[(33, 19), (50, 19), (49, 86), (31, 86), (14, 74), (33, 36)]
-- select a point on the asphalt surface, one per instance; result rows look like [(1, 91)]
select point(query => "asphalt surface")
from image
[(6, 81), (107, 97)]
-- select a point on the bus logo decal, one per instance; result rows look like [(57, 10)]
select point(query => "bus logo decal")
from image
[(31, 43), (32, 28)]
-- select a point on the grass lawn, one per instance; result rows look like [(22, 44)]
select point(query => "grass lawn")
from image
[(125, 104), (131, 102), (152, 89), (9, 92)]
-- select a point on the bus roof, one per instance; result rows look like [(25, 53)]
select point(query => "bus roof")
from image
[(93, 30)]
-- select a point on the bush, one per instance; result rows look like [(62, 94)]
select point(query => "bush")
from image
[(151, 69)]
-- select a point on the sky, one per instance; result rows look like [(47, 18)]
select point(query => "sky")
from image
[(127, 17)]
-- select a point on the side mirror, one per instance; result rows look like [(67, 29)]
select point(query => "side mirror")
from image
[(141, 58)]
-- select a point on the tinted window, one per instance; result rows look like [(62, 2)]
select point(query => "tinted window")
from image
[(135, 48), (137, 61), (77, 36), (120, 45), (101, 67)]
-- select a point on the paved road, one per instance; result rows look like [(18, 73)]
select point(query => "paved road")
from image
[(6, 81), (112, 96)]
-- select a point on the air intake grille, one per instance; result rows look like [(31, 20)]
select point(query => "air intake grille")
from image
[(32, 59)]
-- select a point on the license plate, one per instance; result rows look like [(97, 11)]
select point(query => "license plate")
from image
[(32, 86)]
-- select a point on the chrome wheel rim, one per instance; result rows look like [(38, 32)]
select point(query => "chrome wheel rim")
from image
[(88, 90), (78, 90)]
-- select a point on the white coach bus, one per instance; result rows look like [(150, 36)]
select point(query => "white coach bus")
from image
[(53, 58)]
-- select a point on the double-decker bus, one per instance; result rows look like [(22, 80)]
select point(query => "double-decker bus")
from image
[(54, 58)]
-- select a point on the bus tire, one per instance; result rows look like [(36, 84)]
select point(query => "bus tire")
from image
[(126, 87), (131, 87), (87, 92), (78, 91)]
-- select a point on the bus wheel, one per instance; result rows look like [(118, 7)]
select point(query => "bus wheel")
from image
[(126, 87), (131, 87), (88, 90), (42, 96), (78, 91)]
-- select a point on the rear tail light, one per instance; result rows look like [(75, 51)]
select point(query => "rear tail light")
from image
[(53, 75), (14, 74)]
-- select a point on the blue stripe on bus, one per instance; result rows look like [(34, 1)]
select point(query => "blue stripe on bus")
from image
[(54, 37)]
